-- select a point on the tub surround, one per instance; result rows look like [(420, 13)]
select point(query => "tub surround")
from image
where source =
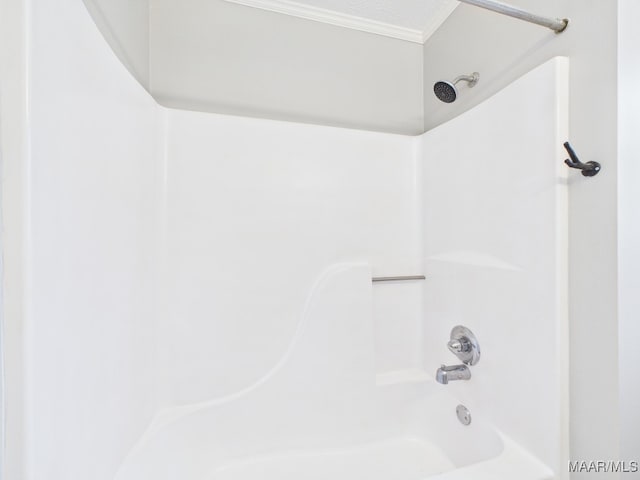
[(200, 285)]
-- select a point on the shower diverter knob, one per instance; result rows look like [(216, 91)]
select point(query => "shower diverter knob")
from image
[(464, 345)]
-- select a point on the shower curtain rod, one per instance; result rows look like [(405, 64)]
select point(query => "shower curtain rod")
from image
[(556, 24)]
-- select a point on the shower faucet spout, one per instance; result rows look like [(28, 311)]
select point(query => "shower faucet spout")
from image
[(446, 374)]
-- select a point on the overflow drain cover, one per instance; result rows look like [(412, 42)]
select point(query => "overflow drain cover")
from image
[(463, 415)]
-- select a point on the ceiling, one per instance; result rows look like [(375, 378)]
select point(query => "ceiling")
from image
[(411, 20)]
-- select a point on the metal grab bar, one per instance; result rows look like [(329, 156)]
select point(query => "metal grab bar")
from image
[(398, 279)]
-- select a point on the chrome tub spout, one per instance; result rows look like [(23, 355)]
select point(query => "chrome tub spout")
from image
[(446, 374)]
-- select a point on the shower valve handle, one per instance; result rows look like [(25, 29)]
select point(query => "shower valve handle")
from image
[(459, 346), (464, 345)]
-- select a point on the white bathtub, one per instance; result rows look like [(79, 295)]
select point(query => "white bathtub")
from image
[(323, 413)]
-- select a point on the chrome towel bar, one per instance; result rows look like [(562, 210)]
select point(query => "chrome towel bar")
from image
[(398, 279)]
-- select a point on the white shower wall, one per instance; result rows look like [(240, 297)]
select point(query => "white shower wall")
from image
[(91, 223), (255, 211), (496, 255)]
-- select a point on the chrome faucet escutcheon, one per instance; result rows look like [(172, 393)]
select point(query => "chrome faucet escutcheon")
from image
[(464, 345)]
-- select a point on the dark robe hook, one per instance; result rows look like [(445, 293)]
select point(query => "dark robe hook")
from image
[(589, 169)]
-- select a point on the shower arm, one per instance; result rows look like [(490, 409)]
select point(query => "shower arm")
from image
[(556, 24), (471, 79)]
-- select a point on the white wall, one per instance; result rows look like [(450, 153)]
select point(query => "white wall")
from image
[(502, 49), (216, 56), (125, 25), (256, 211), (628, 226), (13, 168), (91, 223), (495, 246), (222, 57)]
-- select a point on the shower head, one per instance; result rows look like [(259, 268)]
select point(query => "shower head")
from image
[(446, 91)]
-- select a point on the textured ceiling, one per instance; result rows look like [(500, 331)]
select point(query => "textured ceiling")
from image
[(413, 14)]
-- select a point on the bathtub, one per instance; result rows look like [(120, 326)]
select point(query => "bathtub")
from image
[(322, 412)]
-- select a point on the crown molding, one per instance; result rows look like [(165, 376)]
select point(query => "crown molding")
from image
[(288, 7)]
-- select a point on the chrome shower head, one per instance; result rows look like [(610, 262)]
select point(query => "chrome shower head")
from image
[(446, 91)]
